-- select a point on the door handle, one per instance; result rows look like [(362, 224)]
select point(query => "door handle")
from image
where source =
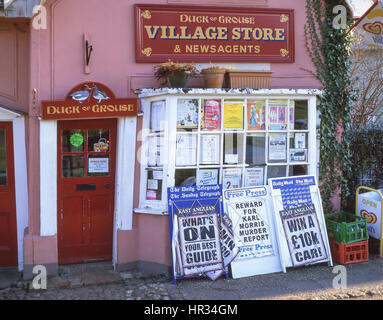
[(107, 185)]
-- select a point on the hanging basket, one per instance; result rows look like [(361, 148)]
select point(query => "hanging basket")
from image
[(179, 79)]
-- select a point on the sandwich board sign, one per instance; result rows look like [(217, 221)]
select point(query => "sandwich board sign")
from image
[(201, 237), (300, 221), (250, 210)]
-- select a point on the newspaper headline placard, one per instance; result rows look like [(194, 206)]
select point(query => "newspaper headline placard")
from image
[(300, 221), (201, 237), (254, 232)]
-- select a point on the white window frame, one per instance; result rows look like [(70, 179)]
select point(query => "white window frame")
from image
[(170, 133)]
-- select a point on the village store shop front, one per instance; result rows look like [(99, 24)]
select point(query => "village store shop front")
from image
[(104, 171)]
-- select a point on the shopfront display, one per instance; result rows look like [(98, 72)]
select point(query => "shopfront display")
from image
[(278, 139)]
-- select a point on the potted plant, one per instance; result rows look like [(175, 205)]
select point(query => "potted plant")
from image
[(177, 74), (214, 76), (248, 79)]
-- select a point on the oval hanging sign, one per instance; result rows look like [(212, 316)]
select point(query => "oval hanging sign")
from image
[(89, 100)]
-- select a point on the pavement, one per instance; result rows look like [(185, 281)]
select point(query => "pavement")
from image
[(98, 281)]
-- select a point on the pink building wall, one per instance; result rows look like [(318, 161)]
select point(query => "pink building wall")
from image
[(52, 62)]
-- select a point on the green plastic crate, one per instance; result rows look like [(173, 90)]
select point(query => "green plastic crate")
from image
[(345, 227)]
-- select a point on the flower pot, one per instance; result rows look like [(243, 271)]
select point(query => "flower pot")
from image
[(248, 79), (213, 77), (179, 79)]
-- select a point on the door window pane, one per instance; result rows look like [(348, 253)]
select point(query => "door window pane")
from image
[(255, 149), (3, 159), (98, 140), (298, 170), (73, 141), (98, 166), (73, 166)]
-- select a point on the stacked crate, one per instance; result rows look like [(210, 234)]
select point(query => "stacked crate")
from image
[(348, 237)]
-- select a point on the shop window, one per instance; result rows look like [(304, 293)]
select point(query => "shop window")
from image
[(236, 142)]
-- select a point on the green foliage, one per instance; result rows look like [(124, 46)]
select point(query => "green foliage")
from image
[(366, 147), (329, 50)]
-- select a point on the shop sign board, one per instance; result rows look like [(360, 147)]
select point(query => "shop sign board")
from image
[(201, 238), (89, 100), (251, 213), (204, 33), (299, 217), (369, 206)]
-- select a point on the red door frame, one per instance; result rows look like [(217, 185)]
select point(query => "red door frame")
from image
[(8, 222), (85, 217)]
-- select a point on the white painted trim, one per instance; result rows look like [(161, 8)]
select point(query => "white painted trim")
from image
[(48, 178), (21, 184)]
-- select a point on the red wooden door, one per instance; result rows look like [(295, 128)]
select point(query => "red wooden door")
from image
[(8, 230), (86, 178)]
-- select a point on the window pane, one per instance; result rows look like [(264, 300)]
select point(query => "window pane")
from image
[(155, 151), (298, 170), (277, 147), (157, 116), (210, 149), (277, 114), (211, 114), (276, 171), (3, 159), (73, 140), (98, 140), (154, 185), (233, 115), (187, 114), (255, 149), (98, 166), (206, 177), (73, 166), (256, 115), (233, 148), (232, 178), (185, 177), (300, 115), (186, 152)]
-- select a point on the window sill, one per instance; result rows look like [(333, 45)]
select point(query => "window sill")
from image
[(161, 212)]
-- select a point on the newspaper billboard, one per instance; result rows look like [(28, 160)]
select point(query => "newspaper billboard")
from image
[(201, 236), (300, 220), (250, 211)]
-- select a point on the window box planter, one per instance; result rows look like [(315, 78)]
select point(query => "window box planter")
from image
[(248, 79)]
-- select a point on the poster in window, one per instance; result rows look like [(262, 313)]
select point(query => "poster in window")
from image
[(277, 147), (256, 115), (187, 113), (292, 114), (209, 149), (186, 151), (157, 119), (233, 115), (98, 165), (300, 140), (254, 176), (277, 114), (212, 114), (206, 177), (298, 155), (232, 178)]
